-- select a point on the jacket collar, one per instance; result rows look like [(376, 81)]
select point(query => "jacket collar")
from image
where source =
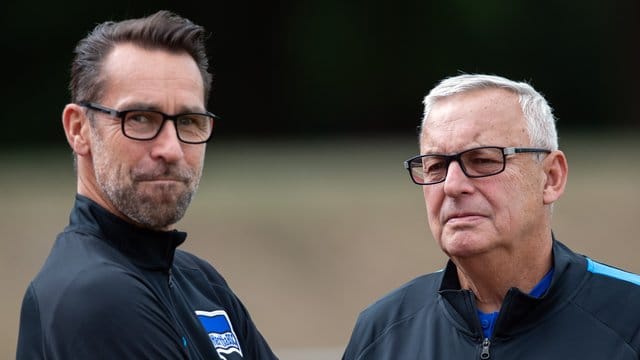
[(149, 249), (519, 310)]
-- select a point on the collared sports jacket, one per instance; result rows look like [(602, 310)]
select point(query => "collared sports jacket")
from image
[(111, 290), (590, 311)]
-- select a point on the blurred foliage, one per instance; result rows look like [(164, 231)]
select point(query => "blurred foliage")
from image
[(323, 68)]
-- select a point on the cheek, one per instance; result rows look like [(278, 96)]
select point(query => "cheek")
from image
[(126, 157), (194, 158), (130, 157), (433, 202), (113, 144), (516, 198), (194, 154)]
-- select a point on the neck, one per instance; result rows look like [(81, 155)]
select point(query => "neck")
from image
[(490, 275)]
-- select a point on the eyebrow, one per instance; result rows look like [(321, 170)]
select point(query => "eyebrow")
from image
[(434, 152), (153, 107)]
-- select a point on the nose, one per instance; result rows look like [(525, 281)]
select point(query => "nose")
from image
[(457, 183), (167, 145)]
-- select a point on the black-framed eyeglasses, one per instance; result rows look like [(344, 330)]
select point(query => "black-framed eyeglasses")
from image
[(429, 169), (192, 128)]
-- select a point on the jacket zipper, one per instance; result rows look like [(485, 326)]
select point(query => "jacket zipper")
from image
[(485, 349), (173, 308)]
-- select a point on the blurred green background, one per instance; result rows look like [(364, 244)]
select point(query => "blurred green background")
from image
[(304, 206), (325, 68)]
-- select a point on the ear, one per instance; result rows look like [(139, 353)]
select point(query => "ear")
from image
[(76, 128), (556, 170)]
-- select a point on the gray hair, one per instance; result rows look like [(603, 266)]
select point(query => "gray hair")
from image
[(537, 112)]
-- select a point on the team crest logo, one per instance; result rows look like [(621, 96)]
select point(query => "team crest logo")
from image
[(220, 331)]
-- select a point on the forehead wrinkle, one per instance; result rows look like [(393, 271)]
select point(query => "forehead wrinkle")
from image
[(484, 117), (444, 137)]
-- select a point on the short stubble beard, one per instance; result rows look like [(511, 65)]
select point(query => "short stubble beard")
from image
[(158, 210)]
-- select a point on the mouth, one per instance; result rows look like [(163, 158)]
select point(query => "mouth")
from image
[(463, 218), (161, 174), (162, 181)]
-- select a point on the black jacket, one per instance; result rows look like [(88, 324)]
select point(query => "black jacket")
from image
[(590, 311), (110, 290)]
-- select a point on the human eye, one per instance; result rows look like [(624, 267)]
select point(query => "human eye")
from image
[(141, 124), (193, 121), (481, 161), (194, 127), (140, 117), (186, 120), (433, 165)]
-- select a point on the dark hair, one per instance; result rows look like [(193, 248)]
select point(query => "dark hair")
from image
[(162, 30)]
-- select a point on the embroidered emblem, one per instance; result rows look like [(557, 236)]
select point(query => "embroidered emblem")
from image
[(220, 331)]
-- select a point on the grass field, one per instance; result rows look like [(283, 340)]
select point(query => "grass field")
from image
[(308, 233)]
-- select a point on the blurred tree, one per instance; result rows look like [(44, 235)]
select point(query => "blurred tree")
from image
[(323, 68)]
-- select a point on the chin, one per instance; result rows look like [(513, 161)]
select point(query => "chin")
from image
[(464, 245), (162, 195)]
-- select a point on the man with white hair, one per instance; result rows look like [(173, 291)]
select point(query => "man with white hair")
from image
[(490, 171)]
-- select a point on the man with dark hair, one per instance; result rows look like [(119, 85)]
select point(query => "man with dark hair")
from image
[(490, 171), (114, 285)]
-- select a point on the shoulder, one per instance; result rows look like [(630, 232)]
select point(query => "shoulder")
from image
[(108, 309), (81, 277), (83, 272), (393, 311), (89, 289), (405, 300), (30, 331), (614, 274), (102, 288), (594, 279), (611, 296)]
